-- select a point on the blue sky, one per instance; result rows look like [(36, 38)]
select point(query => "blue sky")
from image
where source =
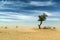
[(25, 12)]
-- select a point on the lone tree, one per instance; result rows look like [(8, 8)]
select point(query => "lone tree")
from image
[(42, 18)]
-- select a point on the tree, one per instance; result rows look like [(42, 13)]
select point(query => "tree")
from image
[(42, 18)]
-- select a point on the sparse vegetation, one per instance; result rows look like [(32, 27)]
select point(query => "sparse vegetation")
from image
[(6, 27), (54, 28), (16, 26), (45, 27), (49, 27)]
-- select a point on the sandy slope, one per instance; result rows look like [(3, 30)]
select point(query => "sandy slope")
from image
[(29, 34)]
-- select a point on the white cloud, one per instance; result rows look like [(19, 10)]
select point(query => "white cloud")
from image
[(11, 16), (45, 3), (12, 4), (2, 3), (6, 20), (23, 17), (53, 14), (5, 2), (37, 12), (53, 19), (48, 13)]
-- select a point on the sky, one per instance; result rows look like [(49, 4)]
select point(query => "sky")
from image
[(25, 12)]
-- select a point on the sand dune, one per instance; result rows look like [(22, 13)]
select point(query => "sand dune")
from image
[(29, 34)]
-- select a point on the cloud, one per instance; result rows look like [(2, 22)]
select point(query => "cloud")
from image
[(45, 3), (52, 16), (6, 20), (6, 4), (23, 17), (53, 19), (14, 6), (48, 13), (12, 16), (3, 3), (27, 13)]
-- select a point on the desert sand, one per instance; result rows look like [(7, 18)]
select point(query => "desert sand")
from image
[(29, 34)]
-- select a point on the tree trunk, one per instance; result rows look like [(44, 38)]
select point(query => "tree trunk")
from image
[(40, 25)]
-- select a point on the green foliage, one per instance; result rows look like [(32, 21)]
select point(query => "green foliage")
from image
[(42, 17)]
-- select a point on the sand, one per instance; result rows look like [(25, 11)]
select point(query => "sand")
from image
[(29, 34)]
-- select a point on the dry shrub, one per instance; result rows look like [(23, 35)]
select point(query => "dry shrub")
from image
[(16, 26), (5, 27), (54, 28), (49, 27), (45, 27)]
